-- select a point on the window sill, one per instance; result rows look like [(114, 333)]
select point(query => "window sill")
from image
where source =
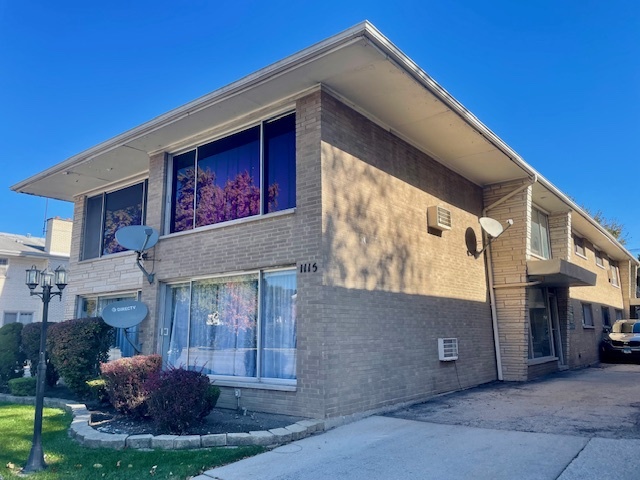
[(254, 218), (106, 257), (588, 327), (584, 257), (541, 360), (226, 382)]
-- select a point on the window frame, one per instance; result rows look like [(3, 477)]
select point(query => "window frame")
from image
[(103, 203), (259, 381), (614, 273), (4, 266), (579, 243), (599, 257), (545, 239), (606, 316), (587, 307), (18, 314), (169, 216)]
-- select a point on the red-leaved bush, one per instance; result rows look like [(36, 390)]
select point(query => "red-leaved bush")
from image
[(179, 399), (126, 382)]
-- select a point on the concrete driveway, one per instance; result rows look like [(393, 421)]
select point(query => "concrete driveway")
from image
[(572, 425)]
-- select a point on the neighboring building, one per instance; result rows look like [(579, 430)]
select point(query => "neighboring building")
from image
[(19, 253), (317, 261)]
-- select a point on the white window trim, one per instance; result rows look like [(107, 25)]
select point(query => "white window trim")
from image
[(548, 239), (258, 383)]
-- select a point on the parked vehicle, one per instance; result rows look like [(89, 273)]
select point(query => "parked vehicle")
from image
[(621, 341)]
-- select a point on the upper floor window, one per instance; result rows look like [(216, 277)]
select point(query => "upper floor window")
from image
[(106, 213), (540, 244), (249, 173), (4, 266), (599, 258), (615, 274), (578, 243)]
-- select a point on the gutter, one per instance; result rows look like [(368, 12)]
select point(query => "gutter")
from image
[(489, 267)]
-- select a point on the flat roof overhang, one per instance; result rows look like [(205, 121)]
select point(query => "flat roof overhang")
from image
[(559, 273), (360, 66)]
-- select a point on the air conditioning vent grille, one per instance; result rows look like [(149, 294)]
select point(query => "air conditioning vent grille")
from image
[(439, 218), (447, 349)]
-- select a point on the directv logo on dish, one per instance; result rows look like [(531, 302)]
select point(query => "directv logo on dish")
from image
[(123, 309)]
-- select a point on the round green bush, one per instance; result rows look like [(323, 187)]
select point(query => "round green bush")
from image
[(23, 387), (77, 347), (11, 355), (31, 348)]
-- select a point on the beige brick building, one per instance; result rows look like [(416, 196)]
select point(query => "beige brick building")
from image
[(320, 244)]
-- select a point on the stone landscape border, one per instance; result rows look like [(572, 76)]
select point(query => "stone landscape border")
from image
[(92, 438)]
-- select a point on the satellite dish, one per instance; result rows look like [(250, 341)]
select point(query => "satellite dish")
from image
[(124, 313), (137, 237), (471, 241), (491, 226)]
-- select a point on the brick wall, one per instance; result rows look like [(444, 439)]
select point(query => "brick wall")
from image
[(509, 261), (392, 287)]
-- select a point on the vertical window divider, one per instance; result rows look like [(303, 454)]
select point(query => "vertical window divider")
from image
[(195, 192), (259, 328), (189, 324), (263, 185)]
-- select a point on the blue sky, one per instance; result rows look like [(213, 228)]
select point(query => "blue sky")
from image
[(559, 81)]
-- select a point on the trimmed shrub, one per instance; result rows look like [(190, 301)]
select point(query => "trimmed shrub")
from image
[(98, 390), (125, 381), (77, 347), (23, 387), (31, 348), (11, 355), (179, 399)]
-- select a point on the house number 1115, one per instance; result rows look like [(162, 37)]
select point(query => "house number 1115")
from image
[(308, 267)]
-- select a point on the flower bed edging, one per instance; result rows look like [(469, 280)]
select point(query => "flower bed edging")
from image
[(92, 438)]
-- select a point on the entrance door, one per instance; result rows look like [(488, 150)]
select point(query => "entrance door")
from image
[(555, 326)]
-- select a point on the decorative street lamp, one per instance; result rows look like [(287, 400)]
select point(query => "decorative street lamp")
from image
[(45, 279)]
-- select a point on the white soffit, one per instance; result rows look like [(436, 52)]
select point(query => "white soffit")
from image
[(353, 65)]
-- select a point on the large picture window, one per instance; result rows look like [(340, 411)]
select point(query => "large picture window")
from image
[(234, 326), (106, 213), (249, 173)]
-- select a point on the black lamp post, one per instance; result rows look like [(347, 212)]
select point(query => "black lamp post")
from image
[(45, 279)]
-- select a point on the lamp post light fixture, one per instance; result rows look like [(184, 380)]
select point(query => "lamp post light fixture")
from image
[(45, 279)]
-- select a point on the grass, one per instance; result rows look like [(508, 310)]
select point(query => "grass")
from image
[(67, 459)]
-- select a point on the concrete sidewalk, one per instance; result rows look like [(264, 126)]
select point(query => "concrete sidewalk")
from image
[(582, 424), (383, 448)]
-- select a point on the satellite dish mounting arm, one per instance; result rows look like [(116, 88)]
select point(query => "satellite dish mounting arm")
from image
[(140, 255), (492, 234)]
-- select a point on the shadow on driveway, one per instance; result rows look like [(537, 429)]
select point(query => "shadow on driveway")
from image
[(601, 401)]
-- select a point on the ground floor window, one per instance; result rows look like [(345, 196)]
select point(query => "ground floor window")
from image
[(126, 340), (22, 317), (540, 327), (233, 326), (587, 315)]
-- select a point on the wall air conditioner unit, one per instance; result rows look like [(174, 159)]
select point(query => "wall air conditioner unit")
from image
[(439, 218), (447, 349)]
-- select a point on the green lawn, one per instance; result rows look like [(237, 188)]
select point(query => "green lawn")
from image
[(67, 459)]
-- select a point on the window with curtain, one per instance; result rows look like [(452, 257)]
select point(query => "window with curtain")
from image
[(93, 306), (249, 173), (106, 213), (540, 244), (234, 326), (615, 273)]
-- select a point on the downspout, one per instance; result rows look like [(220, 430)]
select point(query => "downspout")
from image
[(489, 266)]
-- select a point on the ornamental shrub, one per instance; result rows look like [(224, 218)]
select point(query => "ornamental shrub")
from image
[(179, 399), (11, 355), (98, 390), (31, 348), (125, 381), (23, 387), (77, 347)]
